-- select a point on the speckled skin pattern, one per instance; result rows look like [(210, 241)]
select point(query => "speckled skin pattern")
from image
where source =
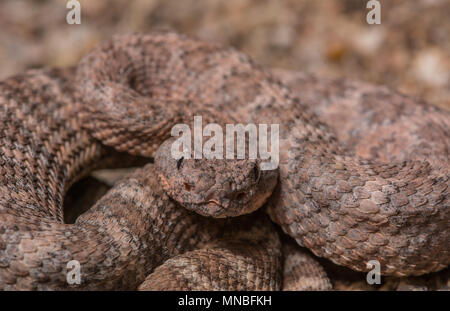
[(390, 200), (214, 187), (247, 256), (131, 230), (301, 271), (380, 194), (43, 150), (372, 182)]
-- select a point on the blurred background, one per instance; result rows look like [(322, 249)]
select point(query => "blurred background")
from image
[(409, 51)]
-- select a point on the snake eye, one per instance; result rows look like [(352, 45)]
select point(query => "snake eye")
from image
[(255, 172), (180, 160), (240, 196)]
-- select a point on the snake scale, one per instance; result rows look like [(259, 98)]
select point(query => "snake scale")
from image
[(363, 174)]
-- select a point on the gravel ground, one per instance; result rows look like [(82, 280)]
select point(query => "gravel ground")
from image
[(409, 51)]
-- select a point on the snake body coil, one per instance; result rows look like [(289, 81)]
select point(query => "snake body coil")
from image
[(363, 173)]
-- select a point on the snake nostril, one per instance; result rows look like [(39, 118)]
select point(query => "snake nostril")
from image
[(187, 187), (240, 196), (133, 83)]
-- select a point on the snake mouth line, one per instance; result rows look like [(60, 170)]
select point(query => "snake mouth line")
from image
[(207, 209)]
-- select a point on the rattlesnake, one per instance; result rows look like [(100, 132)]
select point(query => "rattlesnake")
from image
[(331, 196)]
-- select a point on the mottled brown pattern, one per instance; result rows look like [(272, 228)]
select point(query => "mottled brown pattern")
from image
[(383, 193), (246, 257), (301, 271), (43, 150), (350, 206), (132, 229), (374, 186), (214, 187)]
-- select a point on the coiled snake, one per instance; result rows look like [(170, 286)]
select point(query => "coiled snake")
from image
[(370, 184)]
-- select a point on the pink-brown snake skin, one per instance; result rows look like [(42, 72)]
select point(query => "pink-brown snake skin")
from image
[(363, 174)]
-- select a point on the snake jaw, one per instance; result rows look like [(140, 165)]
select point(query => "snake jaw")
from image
[(212, 187)]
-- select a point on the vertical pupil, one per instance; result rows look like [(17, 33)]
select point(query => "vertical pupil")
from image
[(179, 162), (255, 172)]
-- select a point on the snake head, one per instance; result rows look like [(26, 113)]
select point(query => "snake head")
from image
[(214, 187)]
